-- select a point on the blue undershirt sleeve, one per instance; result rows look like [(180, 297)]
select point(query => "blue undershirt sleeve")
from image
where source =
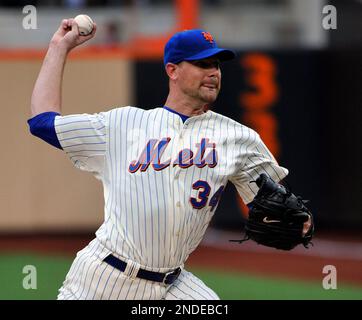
[(42, 126)]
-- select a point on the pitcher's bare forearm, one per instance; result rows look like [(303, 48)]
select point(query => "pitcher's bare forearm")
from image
[(47, 91)]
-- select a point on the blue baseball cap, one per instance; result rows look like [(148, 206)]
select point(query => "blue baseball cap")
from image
[(194, 44)]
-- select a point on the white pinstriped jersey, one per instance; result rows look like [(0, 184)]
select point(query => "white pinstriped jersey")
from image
[(163, 178)]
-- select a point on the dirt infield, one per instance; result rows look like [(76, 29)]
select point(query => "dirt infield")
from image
[(217, 253), (275, 264), (305, 264)]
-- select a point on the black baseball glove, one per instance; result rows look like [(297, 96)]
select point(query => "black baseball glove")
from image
[(276, 217)]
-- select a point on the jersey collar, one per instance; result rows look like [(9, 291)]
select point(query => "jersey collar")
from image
[(183, 117)]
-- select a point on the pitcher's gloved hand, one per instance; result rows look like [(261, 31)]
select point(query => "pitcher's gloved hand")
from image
[(277, 218)]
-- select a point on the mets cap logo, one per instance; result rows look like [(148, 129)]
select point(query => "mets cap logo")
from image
[(208, 36)]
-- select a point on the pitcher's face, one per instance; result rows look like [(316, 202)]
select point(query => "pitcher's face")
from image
[(200, 79)]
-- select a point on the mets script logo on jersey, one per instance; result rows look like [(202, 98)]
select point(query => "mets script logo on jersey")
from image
[(155, 148)]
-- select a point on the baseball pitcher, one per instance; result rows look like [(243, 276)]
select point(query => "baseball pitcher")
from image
[(163, 171)]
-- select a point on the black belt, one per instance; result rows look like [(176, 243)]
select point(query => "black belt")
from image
[(166, 278)]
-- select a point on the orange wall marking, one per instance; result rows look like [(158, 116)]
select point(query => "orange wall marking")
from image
[(260, 70)]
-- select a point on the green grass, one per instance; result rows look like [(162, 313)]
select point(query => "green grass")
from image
[(235, 286), (51, 271)]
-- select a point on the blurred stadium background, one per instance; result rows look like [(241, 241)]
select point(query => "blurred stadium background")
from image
[(294, 82)]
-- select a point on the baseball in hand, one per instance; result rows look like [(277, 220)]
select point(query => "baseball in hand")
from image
[(85, 24)]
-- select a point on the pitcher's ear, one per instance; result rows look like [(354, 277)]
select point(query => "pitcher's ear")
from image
[(171, 70)]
